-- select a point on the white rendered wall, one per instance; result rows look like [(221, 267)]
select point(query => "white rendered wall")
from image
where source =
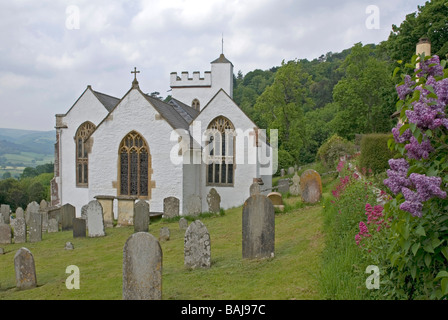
[(87, 108), (134, 112)]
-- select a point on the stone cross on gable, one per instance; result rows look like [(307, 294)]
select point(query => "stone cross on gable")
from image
[(135, 82)]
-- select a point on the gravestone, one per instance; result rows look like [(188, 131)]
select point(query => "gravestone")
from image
[(276, 199), (142, 268), (197, 250), (84, 212), (5, 234), (183, 224), (283, 185), (95, 219), (68, 213), (291, 170), (43, 208), (258, 228), (193, 205), (310, 186), (282, 172), (31, 207), (20, 213), (164, 234), (214, 201), (79, 228), (19, 230), (35, 226), (5, 212), (125, 208), (69, 246), (25, 269), (2, 251), (107, 202), (170, 207), (254, 188), (294, 189), (54, 213), (141, 216), (53, 225)]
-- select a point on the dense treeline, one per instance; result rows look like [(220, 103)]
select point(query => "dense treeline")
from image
[(347, 93)]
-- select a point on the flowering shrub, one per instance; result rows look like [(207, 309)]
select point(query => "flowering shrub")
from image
[(418, 251)]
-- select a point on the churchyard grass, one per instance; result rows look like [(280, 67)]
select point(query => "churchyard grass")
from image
[(292, 274)]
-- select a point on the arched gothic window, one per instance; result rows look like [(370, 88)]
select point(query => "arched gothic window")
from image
[(195, 104), (134, 166), (82, 157), (221, 152)]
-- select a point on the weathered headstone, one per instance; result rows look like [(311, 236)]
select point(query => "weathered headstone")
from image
[(170, 207), (68, 213), (294, 189), (291, 170), (276, 199), (84, 212), (5, 211), (31, 207), (142, 268), (79, 228), (214, 201), (254, 188), (69, 246), (35, 226), (310, 186), (43, 208), (5, 234), (53, 225), (125, 210), (164, 234), (197, 248), (25, 269), (283, 185), (282, 172), (183, 224), (141, 216), (193, 205), (258, 228), (95, 219), (19, 230), (20, 213)]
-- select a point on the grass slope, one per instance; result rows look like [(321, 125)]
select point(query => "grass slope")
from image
[(292, 274)]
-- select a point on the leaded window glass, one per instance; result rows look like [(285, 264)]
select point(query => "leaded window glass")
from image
[(82, 155)]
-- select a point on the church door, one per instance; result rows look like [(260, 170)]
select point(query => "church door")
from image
[(134, 166)]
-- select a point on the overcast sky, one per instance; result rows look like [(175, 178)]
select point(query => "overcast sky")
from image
[(51, 50)]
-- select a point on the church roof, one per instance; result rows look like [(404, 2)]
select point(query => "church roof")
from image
[(169, 113), (222, 59), (187, 112), (107, 101)]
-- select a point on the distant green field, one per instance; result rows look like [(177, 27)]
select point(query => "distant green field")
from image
[(22, 160)]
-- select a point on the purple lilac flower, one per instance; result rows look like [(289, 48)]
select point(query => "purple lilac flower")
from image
[(427, 187), (441, 90), (426, 69), (423, 116), (404, 137), (419, 150), (397, 175), (406, 88), (412, 203)]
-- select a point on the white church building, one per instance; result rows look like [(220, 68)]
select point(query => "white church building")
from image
[(140, 147)]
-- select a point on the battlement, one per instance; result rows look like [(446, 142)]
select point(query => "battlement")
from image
[(184, 80)]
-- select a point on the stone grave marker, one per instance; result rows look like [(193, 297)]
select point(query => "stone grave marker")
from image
[(5, 234), (5, 210), (43, 208), (25, 269), (20, 213), (291, 170), (214, 201), (258, 228), (294, 189), (19, 230), (107, 202), (69, 246), (84, 212), (164, 234), (183, 224), (283, 185), (282, 172), (170, 207), (276, 199), (125, 210), (35, 226), (31, 207), (95, 219), (53, 225), (79, 228), (254, 188), (141, 216), (310, 186), (142, 268), (197, 248), (68, 213)]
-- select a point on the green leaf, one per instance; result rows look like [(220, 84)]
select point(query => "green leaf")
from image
[(413, 271), (415, 248), (445, 252), (395, 71), (444, 286), (420, 231), (412, 126), (428, 260), (428, 248), (436, 242), (441, 274)]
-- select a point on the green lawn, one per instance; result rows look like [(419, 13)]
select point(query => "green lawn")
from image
[(292, 274)]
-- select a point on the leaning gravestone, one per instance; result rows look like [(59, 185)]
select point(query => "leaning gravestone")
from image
[(68, 213), (214, 201), (95, 219), (197, 252), (294, 189), (310, 186), (79, 228), (194, 205), (170, 207), (5, 211), (53, 225), (35, 226), (283, 185), (25, 269), (142, 268), (5, 234), (141, 216), (254, 188), (183, 224), (19, 230), (258, 228)]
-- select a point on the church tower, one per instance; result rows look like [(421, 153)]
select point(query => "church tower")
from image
[(197, 91)]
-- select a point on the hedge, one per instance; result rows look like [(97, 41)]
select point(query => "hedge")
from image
[(375, 153)]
